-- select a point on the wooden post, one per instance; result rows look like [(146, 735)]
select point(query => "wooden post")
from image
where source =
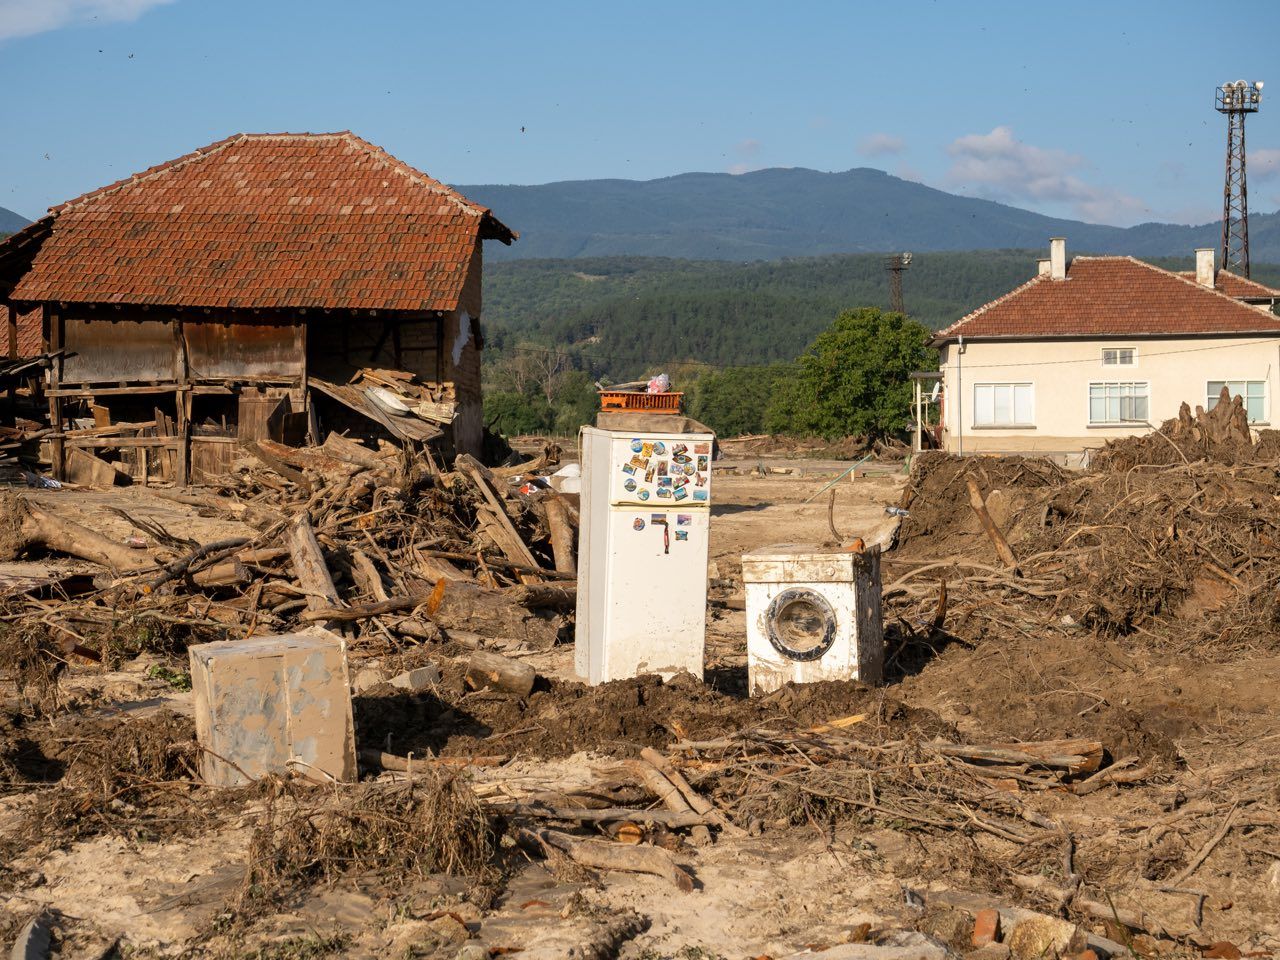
[(57, 444), (561, 534), (309, 566), (993, 532)]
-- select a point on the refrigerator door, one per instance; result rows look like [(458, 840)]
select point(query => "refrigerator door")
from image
[(656, 610), (661, 472)]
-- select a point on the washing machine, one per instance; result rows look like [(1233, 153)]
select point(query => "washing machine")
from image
[(813, 613)]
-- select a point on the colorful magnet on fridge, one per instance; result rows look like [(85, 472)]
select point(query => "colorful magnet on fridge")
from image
[(664, 481), (703, 463), (662, 468), (681, 458), (629, 486), (700, 495), (659, 447), (628, 469), (681, 493), (664, 493), (701, 479), (682, 535), (684, 519), (657, 518), (648, 475), (636, 445), (702, 448), (679, 482), (637, 523), (643, 494), (678, 448), (646, 449)]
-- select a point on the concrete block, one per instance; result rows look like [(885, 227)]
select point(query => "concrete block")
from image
[(272, 704), (418, 679)]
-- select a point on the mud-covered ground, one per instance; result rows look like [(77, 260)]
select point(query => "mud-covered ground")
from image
[(100, 821)]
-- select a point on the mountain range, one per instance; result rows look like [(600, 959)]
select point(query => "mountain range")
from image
[(795, 212), (11, 222)]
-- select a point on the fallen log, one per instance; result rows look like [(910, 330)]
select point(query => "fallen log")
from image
[(612, 856), (492, 671), (562, 538), (1074, 756), (546, 596), (23, 525), (398, 764), (695, 800), (309, 565), (666, 818)]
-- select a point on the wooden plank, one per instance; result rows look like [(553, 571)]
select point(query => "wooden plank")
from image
[(309, 565), (121, 443)]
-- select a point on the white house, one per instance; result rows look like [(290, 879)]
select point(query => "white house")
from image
[(1104, 347)]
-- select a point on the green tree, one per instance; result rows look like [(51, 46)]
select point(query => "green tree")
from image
[(853, 379), (512, 414), (733, 402), (576, 403)]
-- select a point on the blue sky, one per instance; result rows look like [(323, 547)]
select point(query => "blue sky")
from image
[(1097, 111)]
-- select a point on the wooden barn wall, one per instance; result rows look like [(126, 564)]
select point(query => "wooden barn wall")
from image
[(120, 346), (339, 346), (261, 350)]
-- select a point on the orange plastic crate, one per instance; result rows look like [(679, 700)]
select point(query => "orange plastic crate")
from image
[(648, 402)]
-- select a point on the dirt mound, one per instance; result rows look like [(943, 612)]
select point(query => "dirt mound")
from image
[(616, 718)]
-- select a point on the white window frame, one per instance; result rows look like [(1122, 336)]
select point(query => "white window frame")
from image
[(1003, 426), (1088, 403), (1118, 365), (1212, 398)]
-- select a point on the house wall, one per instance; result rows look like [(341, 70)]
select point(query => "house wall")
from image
[(1176, 370)]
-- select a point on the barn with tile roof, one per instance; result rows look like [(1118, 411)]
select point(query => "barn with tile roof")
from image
[(234, 293)]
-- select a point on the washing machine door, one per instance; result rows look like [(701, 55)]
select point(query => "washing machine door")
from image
[(800, 624)]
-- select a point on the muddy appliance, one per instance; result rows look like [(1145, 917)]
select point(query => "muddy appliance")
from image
[(813, 613), (642, 552)]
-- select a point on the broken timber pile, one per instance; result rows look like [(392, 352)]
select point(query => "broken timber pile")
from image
[(384, 546)]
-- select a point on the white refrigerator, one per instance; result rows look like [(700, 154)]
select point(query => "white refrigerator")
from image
[(642, 554)]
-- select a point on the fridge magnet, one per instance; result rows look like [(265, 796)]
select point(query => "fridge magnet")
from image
[(700, 495), (681, 493), (664, 481), (646, 449), (684, 519), (681, 458), (648, 475), (662, 468), (636, 446), (664, 493), (643, 494), (702, 448), (628, 469), (659, 447), (638, 462), (657, 518), (679, 482), (629, 486), (678, 448), (637, 523), (682, 535), (703, 463), (702, 480)]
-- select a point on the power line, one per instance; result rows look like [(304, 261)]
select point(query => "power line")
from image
[(1094, 360)]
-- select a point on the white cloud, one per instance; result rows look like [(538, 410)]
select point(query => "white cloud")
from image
[(25, 18), (879, 144), (999, 166), (1264, 164)]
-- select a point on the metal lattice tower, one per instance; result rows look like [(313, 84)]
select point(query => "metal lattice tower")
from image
[(1236, 100), (895, 265)]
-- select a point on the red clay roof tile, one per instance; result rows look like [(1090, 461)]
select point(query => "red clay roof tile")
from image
[(1111, 296), (261, 220)]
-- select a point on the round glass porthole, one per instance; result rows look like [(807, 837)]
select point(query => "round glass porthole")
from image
[(800, 624)]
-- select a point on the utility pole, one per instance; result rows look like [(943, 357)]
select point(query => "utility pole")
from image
[(1236, 100), (895, 265)]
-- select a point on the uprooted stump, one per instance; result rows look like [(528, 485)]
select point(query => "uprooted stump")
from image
[(25, 526)]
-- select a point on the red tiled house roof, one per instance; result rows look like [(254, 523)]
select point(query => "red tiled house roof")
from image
[(1241, 288), (265, 221), (1111, 297)]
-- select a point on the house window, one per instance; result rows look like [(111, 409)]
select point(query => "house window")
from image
[(1119, 357), (1253, 392), (1004, 405), (1118, 402)]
